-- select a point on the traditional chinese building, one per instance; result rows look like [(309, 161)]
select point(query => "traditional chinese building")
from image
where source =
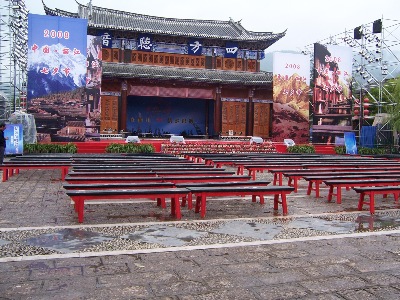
[(179, 76)]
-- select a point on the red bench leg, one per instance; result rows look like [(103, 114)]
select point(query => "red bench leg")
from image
[(203, 206), (330, 194), (283, 202), (197, 205), (175, 207), (361, 201), (372, 203), (339, 195), (80, 203)]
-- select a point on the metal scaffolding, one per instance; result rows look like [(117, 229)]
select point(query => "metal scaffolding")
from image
[(13, 56), (376, 59)]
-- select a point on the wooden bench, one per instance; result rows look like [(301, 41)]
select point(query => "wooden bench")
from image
[(218, 184), (349, 183), (372, 191), (111, 179), (148, 173), (80, 196), (277, 191), (295, 176), (204, 178), (10, 168), (122, 185), (317, 180)]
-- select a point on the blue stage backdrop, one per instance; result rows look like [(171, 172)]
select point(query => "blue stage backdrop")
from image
[(167, 116)]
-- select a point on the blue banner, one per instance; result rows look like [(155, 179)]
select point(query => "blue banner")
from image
[(15, 142), (231, 49), (145, 42), (195, 47), (106, 39)]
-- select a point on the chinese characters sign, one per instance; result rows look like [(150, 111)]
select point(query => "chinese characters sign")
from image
[(195, 47), (145, 42), (231, 50)]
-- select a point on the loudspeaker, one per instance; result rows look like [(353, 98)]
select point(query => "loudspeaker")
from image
[(377, 26), (357, 33)]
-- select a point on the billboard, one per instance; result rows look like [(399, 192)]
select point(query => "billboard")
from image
[(291, 84), (332, 92), (15, 142), (57, 76)]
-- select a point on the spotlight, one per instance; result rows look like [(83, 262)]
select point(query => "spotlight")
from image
[(370, 80), (359, 68), (378, 50)]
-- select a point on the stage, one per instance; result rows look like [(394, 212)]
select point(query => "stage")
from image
[(199, 145)]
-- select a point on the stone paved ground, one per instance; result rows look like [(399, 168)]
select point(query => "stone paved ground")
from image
[(344, 254)]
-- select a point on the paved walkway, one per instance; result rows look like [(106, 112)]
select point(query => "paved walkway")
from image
[(241, 250)]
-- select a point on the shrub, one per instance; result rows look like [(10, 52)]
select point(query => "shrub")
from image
[(301, 149), (340, 150), (130, 148), (50, 148)]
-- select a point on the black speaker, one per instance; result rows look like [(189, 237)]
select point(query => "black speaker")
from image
[(357, 33), (377, 26)]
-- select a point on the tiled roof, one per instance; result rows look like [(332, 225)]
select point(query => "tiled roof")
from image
[(123, 70), (104, 18)]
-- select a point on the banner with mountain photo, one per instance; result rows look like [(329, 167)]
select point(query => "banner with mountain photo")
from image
[(57, 76), (332, 93), (291, 83)]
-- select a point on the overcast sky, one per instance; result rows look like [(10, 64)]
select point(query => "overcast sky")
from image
[(306, 21)]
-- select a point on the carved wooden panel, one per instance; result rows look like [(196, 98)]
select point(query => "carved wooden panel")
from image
[(239, 64), (234, 118), (219, 63), (106, 54), (115, 55), (262, 113), (229, 64), (109, 113), (251, 65)]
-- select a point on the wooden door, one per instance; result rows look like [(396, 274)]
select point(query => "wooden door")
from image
[(109, 113), (262, 113), (234, 118)]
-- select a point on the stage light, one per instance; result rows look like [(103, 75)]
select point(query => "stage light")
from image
[(370, 80), (377, 26), (359, 68), (378, 51)]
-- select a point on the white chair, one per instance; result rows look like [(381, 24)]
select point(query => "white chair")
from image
[(132, 139), (177, 139), (256, 140), (289, 142)]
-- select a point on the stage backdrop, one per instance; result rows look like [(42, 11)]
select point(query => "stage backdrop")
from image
[(161, 116), (332, 93), (57, 76), (291, 100)]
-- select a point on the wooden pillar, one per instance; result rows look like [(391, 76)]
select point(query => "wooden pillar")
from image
[(123, 108), (217, 112), (250, 114)]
